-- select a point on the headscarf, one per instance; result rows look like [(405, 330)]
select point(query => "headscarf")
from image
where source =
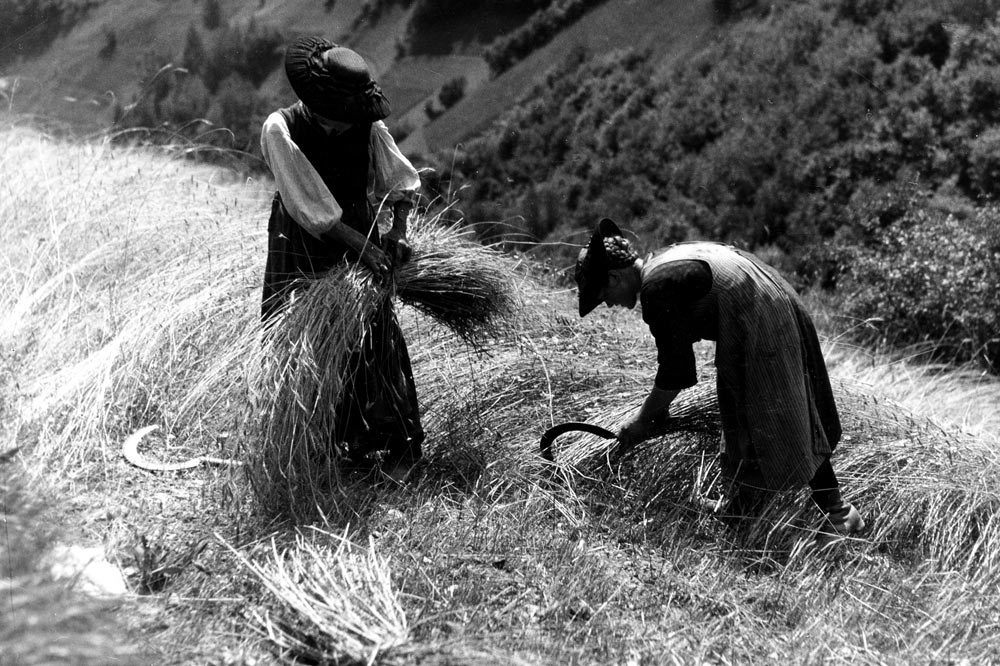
[(608, 250)]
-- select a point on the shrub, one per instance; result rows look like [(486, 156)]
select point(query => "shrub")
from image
[(110, 45), (541, 27), (452, 92), (239, 109), (431, 110), (932, 280), (984, 163), (252, 50), (194, 55), (211, 15), (29, 26)]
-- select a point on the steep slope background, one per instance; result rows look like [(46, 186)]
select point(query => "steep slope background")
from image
[(669, 30), (852, 146), (106, 57), (106, 63)]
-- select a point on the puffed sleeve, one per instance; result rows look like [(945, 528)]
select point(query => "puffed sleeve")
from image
[(668, 295), (304, 194), (395, 177)]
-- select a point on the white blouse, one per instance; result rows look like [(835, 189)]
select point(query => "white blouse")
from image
[(306, 196)]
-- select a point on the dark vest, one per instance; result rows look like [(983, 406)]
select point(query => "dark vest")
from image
[(342, 160), (378, 406)]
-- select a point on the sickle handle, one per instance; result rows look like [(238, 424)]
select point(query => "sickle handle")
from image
[(550, 435)]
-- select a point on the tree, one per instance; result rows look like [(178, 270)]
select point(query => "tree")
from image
[(194, 55), (211, 14), (237, 107), (110, 45), (452, 91)]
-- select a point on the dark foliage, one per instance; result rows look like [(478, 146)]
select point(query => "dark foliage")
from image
[(371, 10), (726, 9), (437, 26), (784, 134), (29, 26), (427, 11), (452, 92), (213, 97), (211, 15), (251, 50), (931, 282), (110, 45), (507, 50), (194, 56)]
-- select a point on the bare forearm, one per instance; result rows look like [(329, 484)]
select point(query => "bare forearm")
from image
[(654, 410), (342, 234), (656, 406)]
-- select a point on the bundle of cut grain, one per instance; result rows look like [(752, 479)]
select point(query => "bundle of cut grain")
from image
[(310, 354)]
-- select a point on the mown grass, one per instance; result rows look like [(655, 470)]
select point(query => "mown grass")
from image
[(130, 298)]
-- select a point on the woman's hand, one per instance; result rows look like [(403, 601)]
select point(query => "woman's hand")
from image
[(370, 254), (634, 430), (655, 410), (376, 260), (396, 247)]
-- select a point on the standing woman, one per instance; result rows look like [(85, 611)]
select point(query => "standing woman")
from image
[(779, 420), (328, 153)]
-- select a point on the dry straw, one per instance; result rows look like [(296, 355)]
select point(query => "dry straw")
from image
[(308, 354), (332, 602), (459, 282), (926, 491)]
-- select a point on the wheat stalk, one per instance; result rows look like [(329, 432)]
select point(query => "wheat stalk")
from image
[(333, 601)]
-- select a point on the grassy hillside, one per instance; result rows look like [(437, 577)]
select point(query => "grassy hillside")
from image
[(669, 30), (130, 298), (79, 83), (72, 83), (844, 141)]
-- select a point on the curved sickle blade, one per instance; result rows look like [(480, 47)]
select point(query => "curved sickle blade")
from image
[(550, 435)]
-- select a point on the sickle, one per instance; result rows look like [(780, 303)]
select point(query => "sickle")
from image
[(550, 435)]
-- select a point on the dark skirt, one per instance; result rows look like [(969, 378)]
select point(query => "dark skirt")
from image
[(378, 409)]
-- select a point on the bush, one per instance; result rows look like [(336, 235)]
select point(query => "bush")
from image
[(211, 15), (252, 50), (508, 50), (984, 163), (29, 26), (194, 56), (110, 45), (238, 108), (452, 92), (932, 280)]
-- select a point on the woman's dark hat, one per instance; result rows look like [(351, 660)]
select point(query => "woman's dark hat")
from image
[(593, 264), (334, 81)]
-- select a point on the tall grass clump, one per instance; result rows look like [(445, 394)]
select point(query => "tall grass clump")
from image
[(139, 308), (331, 601), (124, 294)]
